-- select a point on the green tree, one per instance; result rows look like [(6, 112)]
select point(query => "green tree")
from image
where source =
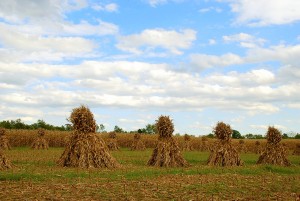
[(285, 136), (236, 134), (118, 129), (100, 128), (150, 129)]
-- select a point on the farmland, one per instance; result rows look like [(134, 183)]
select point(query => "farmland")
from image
[(35, 175)]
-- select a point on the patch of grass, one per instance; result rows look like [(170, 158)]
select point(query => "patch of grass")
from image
[(137, 180)]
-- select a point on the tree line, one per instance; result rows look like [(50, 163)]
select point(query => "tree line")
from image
[(149, 129)]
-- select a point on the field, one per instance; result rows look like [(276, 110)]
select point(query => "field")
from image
[(36, 177)]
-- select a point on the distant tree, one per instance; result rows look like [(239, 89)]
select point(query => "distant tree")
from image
[(258, 137), (100, 128), (18, 124), (285, 136), (118, 129), (150, 129), (210, 135), (249, 136), (236, 134), (297, 136)]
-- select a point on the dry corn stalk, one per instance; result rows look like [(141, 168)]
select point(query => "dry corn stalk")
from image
[(242, 148), (137, 143), (258, 148), (40, 142), (112, 141), (112, 144), (297, 149), (187, 143), (274, 152), (112, 135), (166, 152), (223, 153), (85, 149), (204, 144), (4, 142), (4, 162)]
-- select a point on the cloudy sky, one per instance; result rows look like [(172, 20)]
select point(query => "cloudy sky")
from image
[(199, 61)]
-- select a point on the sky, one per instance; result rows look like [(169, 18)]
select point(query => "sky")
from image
[(198, 61)]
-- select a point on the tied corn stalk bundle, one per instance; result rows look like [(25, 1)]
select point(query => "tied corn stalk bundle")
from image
[(187, 143), (40, 142), (258, 149), (4, 162), (137, 143), (85, 149), (297, 149), (242, 148), (4, 142), (204, 144), (112, 141), (274, 152), (166, 152), (223, 153)]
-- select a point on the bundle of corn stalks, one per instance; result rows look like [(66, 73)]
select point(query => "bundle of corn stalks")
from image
[(112, 141), (274, 152), (85, 149), (258, 149), (4, 162), (223, 153), (40, 142), (204, 144), (187, 143), (242, 148), (4, 142), (166, 152), (297, 149), (137, 143)]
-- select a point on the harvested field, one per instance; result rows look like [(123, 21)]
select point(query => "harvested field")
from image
[(36, 176)]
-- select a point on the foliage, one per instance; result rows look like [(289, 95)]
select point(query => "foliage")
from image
[(19, 124), (100, 128), (210, 135), (149, 129), (297, 136), (252, 136), (117, 129), (237, 135)]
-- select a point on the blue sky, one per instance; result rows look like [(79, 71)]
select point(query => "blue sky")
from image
[(199, 61)]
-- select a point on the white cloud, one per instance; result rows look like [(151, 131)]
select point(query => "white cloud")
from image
[(24, 47), (86, 29), (204, 61), (289, 73), (151, 39), (156, 2), (48, 18), (265, 127), (112, 7), (285, 54), (115, 84), (209, 9), (245, 40), (267, 12), (27, 42), (17, 11), (212, 42), (251, 78)]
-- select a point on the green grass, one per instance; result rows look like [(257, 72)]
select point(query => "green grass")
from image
[(39, 167)]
